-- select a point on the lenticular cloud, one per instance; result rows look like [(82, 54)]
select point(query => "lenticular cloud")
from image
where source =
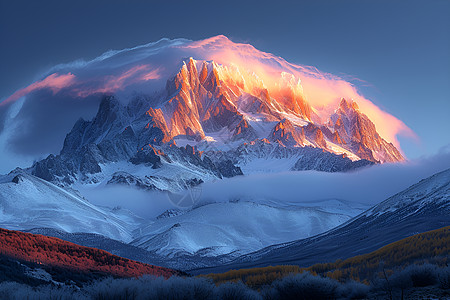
[(145, 70)]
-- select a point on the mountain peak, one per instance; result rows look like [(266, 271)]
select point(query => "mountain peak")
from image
[(213, 80), (238, 68), (203, 73), (354, 129), (348, 105), (220, 89), (285, 134)]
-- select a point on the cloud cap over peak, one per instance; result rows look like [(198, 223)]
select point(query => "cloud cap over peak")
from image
[(146, 68)]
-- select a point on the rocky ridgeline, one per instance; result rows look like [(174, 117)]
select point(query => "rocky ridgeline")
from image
[(195, 104)]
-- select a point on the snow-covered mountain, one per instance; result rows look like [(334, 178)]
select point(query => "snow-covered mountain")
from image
[(174, 114), (206, 109), (422, 207), (235, 228), (28, 202), (127, 145), (117, 147), (205, 232)]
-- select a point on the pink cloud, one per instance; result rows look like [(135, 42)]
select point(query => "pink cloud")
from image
[(322, 90), (325, 93), (54, 82), (112, 83), (88, 86), (152, 75)]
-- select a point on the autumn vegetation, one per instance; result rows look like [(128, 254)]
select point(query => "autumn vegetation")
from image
[(53, 252), (413, 268), (429, 247)]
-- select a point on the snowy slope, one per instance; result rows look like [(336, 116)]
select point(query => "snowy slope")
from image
[(241, 227), (35, 203), (422, 207), (29, 203), (170, 176), (433, 191)]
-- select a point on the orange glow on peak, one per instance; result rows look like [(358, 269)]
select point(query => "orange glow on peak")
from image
[(302, 90), (321, 90)]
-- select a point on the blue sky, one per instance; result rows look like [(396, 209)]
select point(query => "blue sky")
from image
[(399, 49)]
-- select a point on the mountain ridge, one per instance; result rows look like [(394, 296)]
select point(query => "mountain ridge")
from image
[(422, 207), (212, 102), (197, 88)]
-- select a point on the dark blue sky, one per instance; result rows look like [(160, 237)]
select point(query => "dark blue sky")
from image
[(400, 48)]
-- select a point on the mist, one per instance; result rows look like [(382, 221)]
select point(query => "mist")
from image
[(145, 204), (368, 186)]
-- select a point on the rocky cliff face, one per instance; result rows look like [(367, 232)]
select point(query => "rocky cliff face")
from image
[(115, 136), (217, 98), (285, 134), (358, 134), (214, 108)]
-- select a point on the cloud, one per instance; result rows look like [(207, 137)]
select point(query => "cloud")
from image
[(369, 186), (322, 90), (143, 203), (53, 82), (49, 108), (116, 70), (145, 69), (114, 83), (37, 127), (94, 85)]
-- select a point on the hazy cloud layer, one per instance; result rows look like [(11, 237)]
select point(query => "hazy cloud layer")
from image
[(368, 186)]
